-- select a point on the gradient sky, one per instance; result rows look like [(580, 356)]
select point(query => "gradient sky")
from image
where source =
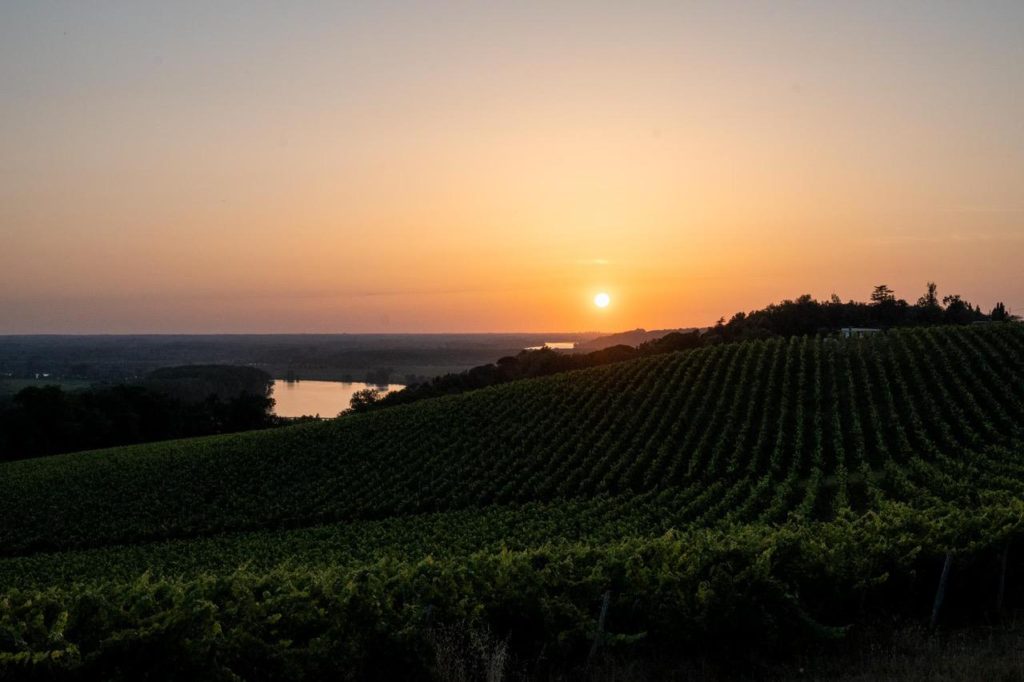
[(326, 166)]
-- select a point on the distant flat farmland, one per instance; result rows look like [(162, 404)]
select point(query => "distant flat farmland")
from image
[(9, 387), (339, 357)]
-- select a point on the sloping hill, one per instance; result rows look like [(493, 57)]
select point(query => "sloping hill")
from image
[(759, 493), (633, 337), (808, 425)]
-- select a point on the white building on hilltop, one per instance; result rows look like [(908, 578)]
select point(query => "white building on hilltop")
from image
[(847, 332)]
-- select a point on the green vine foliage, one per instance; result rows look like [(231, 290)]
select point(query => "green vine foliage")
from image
[(767, 497)]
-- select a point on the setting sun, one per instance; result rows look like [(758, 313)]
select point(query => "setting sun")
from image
[(602, 300)]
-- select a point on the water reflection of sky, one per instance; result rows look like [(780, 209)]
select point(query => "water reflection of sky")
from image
[(557, 345), (324, 398)]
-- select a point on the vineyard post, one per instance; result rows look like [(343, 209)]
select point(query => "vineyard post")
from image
[(599, 635), (1001, 591), (940, 593)]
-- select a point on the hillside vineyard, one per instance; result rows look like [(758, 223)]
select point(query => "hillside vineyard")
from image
[(741, 432), (838, 470)]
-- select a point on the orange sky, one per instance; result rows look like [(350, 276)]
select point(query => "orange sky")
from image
[(454, 167)]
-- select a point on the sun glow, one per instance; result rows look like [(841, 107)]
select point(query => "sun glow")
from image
[(602, 300)]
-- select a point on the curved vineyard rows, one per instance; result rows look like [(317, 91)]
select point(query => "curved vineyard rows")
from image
[(747, 497), (757, 431)]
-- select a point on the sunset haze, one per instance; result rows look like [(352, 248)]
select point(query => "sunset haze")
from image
[(249, 167)]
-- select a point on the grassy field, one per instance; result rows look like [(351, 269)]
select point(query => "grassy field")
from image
[(773, 496), (10, 387)]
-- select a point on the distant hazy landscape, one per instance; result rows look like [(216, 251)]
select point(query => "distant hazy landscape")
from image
[(336, 357)]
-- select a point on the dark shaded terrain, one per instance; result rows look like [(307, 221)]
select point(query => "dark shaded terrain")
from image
[(173, 402)]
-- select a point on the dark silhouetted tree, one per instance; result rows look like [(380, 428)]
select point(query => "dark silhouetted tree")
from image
[(928, 309), (364, 399), (999, 313), (931, 296), (959, 311), (882, 295)]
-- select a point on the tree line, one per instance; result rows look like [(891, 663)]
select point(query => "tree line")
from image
[(806, 316), (173, 402)]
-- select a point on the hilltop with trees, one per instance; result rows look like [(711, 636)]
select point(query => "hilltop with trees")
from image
[(803, 316)]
